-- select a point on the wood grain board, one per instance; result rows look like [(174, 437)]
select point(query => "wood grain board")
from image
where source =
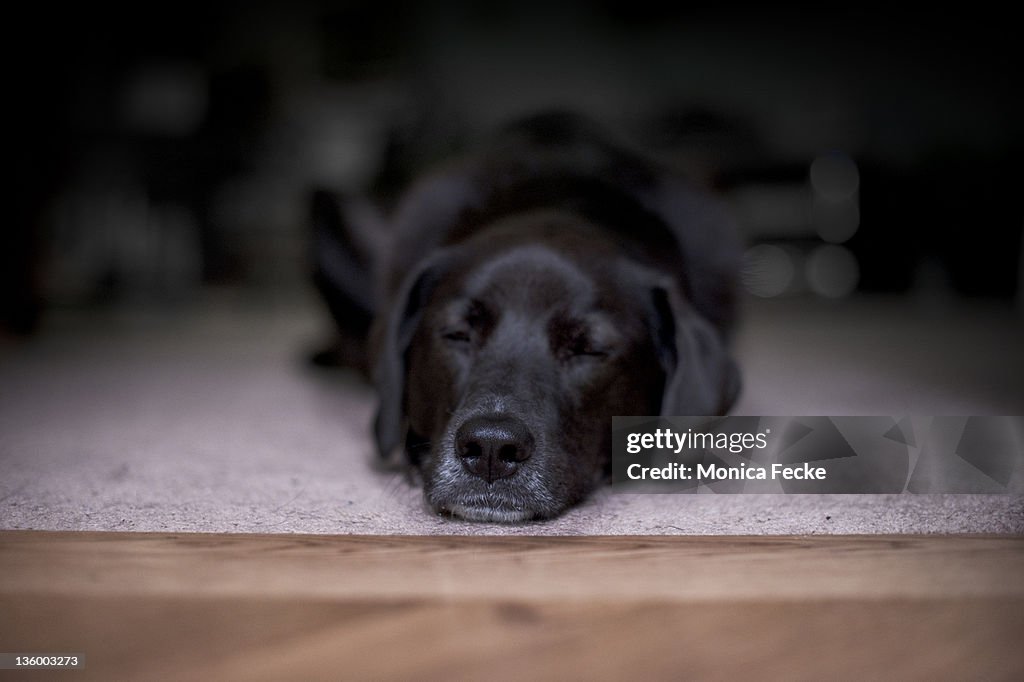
[(156, 606)]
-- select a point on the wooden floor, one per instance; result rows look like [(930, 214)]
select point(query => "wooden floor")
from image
[(215, 607)]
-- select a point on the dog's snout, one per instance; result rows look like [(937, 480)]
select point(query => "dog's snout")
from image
[(493, 447)]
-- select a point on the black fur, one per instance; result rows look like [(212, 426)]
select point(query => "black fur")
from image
[(531, 292)]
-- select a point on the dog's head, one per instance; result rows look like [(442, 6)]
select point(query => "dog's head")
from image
[(504, 358)]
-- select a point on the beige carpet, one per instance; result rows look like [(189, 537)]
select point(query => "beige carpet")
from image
[(208, 419)]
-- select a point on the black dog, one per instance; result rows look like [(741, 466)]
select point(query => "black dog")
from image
[(531, 292)]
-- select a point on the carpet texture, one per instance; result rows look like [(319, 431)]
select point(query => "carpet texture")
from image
[(209, 419)]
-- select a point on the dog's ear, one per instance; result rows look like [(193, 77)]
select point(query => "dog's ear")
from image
[(700, 376), (392, 338)]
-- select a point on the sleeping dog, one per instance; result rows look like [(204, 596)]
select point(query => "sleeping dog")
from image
[(526, 294)]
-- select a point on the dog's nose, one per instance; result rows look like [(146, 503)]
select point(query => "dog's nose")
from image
[(493, 447)]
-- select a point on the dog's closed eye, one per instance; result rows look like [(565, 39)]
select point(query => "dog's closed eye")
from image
[(456, 335), (582, 340), (582, 346), (466, 323)]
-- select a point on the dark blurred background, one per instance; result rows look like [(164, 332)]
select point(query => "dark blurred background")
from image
[(162, 150)]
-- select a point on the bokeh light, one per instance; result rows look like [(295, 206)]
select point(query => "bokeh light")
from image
[(835, 208), (768, 270), (835, 177), (832, 271)]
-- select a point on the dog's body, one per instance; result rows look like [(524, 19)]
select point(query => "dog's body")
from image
[(532, 291)]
